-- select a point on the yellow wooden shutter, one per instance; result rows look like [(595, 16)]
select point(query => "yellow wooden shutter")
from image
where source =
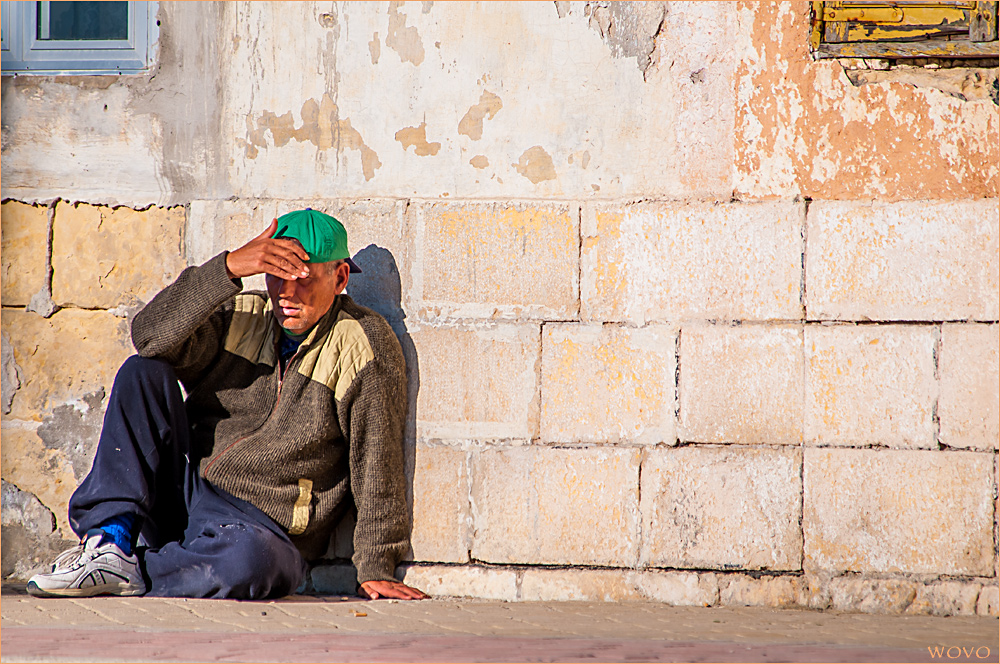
[(904, 29)]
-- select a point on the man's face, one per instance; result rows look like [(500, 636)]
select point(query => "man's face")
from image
[(300, 303)]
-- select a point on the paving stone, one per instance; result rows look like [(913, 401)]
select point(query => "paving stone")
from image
[(591, 585), (677, 261), (970, 386), (870, 385), (63, 359), (24, 248), (483, 260), (477, 381), (741, 384), (103, 257), (679, 588), (569, 506), (871, 595), (608, 383), (442, 580), (898, 511), (949, 598), (441, 517), (719, 507), (910, 260)]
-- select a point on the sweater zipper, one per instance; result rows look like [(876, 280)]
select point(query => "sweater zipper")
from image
[(277, 400)]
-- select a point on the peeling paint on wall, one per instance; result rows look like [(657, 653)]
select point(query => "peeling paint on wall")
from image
[(417, 138), (479, 161), (321, 126), (629, 28), (803, 128), (536, 165), (471, 124), (404, 40)]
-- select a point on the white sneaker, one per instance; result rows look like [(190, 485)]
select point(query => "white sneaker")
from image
[(88, 569)]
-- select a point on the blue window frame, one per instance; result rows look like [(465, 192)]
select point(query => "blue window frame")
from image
[(58, 38)]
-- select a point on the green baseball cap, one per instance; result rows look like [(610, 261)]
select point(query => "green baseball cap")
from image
[(323, 237)]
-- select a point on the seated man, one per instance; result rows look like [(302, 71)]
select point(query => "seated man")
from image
[(295, 411)]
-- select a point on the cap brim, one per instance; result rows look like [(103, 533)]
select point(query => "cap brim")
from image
[(354, 266)]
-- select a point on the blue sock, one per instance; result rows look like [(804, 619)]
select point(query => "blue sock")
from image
[(119, 529)]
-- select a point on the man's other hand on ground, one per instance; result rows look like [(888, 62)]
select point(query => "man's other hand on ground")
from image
[(390, 590)]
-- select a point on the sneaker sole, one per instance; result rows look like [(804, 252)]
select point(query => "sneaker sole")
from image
[(117, 589)]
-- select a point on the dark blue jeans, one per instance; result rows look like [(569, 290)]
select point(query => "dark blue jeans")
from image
[(202, 541)]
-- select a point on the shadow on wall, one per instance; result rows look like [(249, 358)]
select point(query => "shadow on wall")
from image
[(378, 287)]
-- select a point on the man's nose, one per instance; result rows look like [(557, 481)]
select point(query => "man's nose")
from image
[(287, 288)]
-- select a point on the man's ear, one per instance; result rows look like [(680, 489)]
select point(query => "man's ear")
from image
[(342, 276)]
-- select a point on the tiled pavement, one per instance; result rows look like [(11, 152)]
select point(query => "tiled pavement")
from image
[(347, 629)]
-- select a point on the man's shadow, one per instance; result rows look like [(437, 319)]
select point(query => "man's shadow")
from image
[(379, 288)]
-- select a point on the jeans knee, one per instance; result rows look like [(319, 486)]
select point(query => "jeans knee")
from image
[(261, 564), (137, 370)]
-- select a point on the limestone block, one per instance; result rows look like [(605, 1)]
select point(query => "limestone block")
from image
[(465, 581), (679, 588), (715, 507), (103, 257), (441, 519), (988, 602), (379, 237), (37, 469), (10, 373), (673, 261), (64, 359), (539, 505), (589, 585), (870, 385), (498, 260), (741, 384), (30, 539), (608, 383), (903, 261), (342, 539), (948, 598), (25, 232), (476, 381), (898, 511), (970, 386), (852, 593), (334, 579), (769, 591)]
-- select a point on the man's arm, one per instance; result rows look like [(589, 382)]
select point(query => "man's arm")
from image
[(185, 322), (372, 414)]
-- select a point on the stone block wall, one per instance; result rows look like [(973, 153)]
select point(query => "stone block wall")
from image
[(730, 338)]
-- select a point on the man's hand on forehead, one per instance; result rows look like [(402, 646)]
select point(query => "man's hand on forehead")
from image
[(283, 257)]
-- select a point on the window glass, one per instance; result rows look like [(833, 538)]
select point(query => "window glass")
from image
[(82, 20)]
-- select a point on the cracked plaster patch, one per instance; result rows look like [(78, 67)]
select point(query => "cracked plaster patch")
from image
[(321, 126), (536, 165), (417, 138)]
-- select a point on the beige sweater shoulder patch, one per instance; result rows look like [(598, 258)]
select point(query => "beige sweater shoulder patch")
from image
[(344, 353), (251, 335)]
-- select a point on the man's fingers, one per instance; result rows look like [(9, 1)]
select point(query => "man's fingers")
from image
[(391, 590)]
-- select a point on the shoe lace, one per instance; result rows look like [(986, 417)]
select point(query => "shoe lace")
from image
[(68, 556)]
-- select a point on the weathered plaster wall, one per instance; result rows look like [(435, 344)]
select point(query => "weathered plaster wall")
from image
[(687, 315)]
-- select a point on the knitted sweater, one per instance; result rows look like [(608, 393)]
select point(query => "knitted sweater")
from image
[(301, 445)]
